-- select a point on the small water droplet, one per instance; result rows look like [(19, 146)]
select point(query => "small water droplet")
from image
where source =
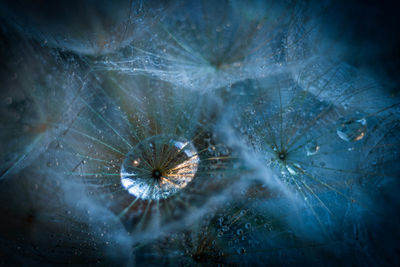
[(352, 128), (312, 148), (291, 170)]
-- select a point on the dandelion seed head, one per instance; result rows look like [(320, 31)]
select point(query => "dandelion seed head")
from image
[(193, 133)]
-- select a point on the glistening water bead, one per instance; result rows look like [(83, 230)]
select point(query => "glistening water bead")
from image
[(159, 167), (312, 148), (352, 128)]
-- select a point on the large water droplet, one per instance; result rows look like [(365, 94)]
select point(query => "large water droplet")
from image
[(159, 167), (352, 128)]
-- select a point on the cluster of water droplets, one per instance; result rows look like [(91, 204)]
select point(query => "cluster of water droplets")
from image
[(200, 135)]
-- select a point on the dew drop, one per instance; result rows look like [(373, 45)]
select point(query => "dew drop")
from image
[(156, 178), (312, 148), (291, 170), (351, 128)]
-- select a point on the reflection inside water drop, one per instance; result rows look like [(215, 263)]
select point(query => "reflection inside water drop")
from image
[(159, 167)]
